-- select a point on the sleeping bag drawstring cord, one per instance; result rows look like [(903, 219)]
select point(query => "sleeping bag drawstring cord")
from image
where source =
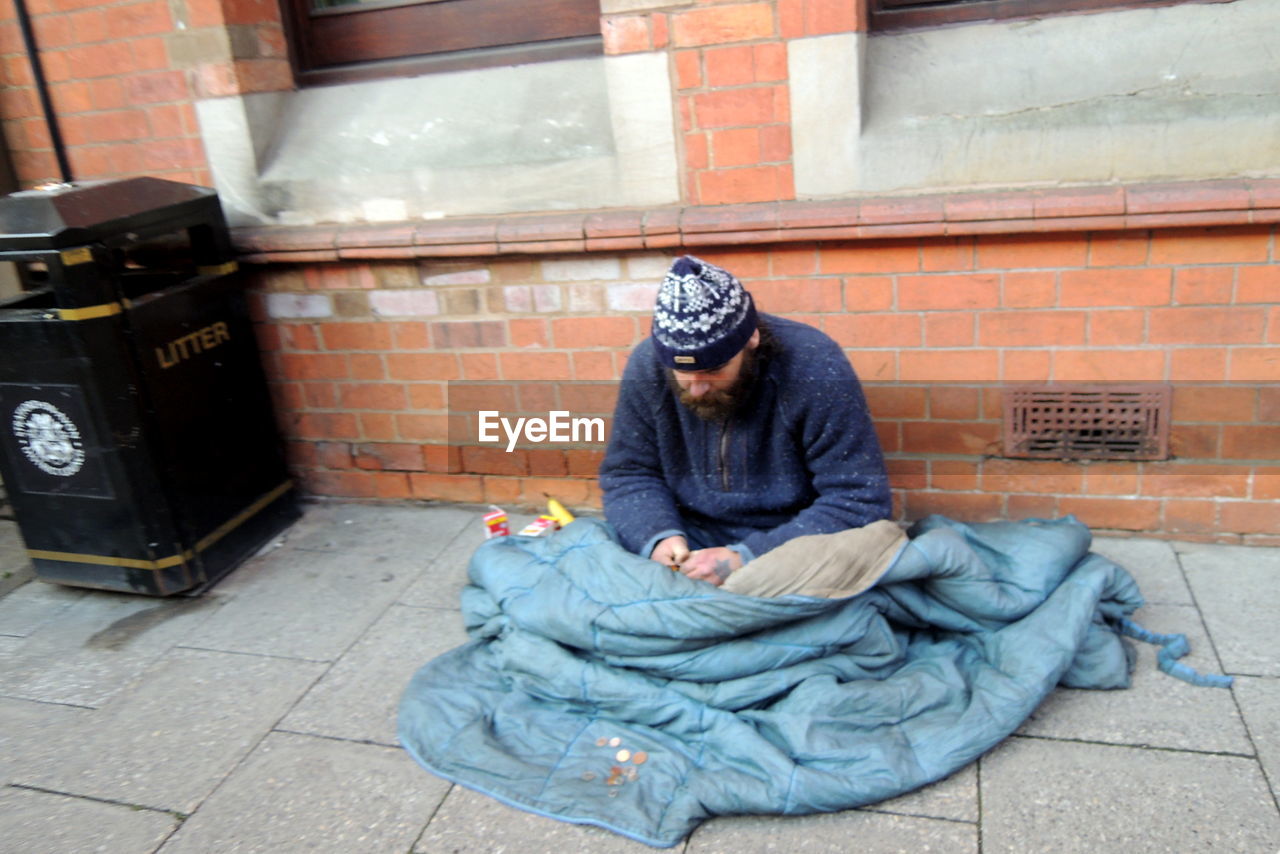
[(1173, 647)]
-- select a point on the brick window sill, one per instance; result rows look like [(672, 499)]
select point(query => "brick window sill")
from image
[(1139, 206)]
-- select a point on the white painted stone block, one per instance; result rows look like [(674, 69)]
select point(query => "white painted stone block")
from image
[(299, 305), (517, 298), (581, 269), (632, 297), (586, 297), (546, 297), (479, 276), (407, 303), (826, 108), (649, 267)]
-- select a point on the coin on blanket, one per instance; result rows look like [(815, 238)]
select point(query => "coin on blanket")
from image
[(622, 755)]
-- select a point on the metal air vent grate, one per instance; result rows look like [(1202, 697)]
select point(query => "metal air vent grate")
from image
[(1087, 422)]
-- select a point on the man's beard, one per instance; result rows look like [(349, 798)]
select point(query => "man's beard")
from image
[(719, 403)]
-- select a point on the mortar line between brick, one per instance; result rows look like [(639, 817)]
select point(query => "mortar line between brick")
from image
[(454, 609), (1208, 633), (47, 702), (872, 809), (1154, 747), (368, 742), (977, 785), (254, 654), (447, 792), (178, 815)]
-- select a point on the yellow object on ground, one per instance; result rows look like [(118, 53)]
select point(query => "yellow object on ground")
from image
[(557, 511)]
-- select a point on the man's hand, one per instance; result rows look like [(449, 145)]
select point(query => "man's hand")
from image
[(711, 565), (672, 551)]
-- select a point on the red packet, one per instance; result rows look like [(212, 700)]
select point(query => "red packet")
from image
[(540, 526), (496, 523)]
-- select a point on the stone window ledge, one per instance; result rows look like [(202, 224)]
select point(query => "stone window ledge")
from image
[(1108, 208)]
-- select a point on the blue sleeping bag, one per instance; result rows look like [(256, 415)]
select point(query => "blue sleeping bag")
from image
[(602, 688)]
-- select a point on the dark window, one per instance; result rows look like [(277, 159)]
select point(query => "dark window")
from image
[(335, 40), (905, 14)]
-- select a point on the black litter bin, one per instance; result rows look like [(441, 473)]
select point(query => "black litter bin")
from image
[(137, 440)]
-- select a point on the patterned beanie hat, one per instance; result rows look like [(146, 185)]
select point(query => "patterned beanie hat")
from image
[(703, 317)]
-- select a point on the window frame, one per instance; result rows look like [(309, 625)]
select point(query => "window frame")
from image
[(916, 14), (377, 40)]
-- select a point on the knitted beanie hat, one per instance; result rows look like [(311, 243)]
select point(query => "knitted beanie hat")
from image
[(703, 317)]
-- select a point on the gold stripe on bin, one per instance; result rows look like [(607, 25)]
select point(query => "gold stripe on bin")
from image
[(236, 521), (173, 560), (130, 563), (79, 255), (89, 312), (219, 269)]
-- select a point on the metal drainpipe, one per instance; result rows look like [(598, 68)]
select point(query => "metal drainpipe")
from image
[(42, 89)]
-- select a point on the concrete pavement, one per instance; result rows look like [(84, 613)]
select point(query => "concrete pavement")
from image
[(261, 717)]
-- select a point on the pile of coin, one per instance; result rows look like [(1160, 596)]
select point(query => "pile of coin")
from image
[(618, 775)]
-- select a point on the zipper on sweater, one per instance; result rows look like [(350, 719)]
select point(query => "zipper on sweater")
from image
[(724, 450)]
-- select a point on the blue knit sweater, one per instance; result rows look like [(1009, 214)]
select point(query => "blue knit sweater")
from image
[(799, 458)]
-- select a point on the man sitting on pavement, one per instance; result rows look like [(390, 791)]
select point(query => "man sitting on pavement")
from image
[(735, 432)]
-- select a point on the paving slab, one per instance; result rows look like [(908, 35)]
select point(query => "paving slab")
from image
[(1152, 563), (15, 566), (1055, 796), (954, 798), (97, 645), (172, 737), (43, 823), (13, 551), (302, 793), (1157, 710), (471, 823), (304, 604), (1238, 591), (420, 531), (33, 604), (360, 695), (30, 732), (833, 833), (1259, 700), (440, 584)]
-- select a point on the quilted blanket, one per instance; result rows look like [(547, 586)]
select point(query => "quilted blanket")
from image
[(604, 689)]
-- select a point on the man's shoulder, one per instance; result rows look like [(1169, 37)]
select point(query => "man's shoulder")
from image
[(804, 349), (793, 332), (642, 363)]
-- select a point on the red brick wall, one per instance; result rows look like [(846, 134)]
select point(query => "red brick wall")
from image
[(940, 301), (729, 67), (124, 78), (935, 327)]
